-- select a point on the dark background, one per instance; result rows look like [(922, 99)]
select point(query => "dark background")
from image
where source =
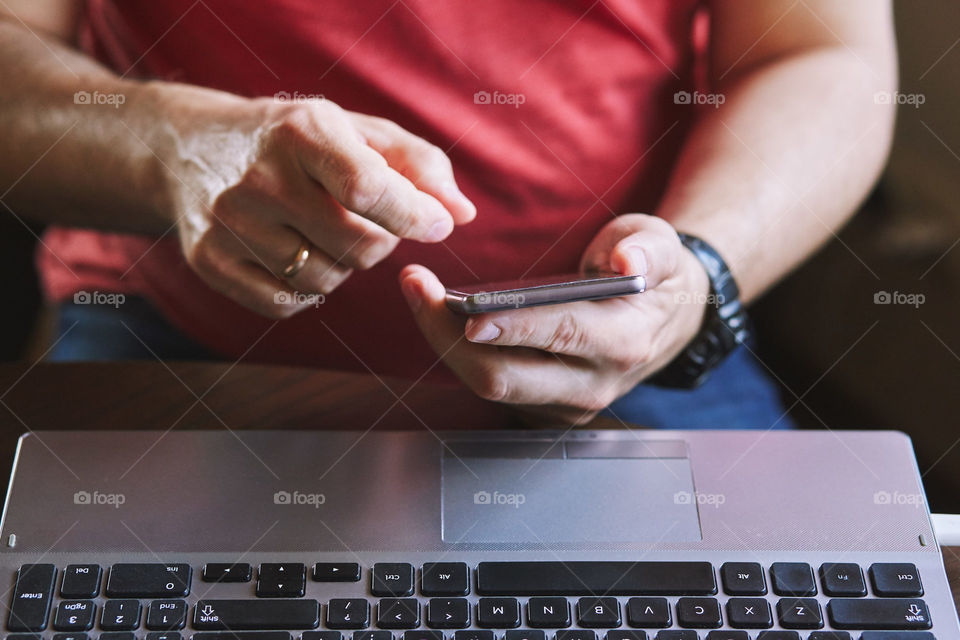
[(842, 360)]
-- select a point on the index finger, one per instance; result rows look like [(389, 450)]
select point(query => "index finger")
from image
[(362, 181)]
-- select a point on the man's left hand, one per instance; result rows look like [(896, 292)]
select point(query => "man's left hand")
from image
[(569, 361)]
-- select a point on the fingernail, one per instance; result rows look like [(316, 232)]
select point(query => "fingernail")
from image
[(451, 191), (486, 333), (439, 231), (638, 259), (412, 293)]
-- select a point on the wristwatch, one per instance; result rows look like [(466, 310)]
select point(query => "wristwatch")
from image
[(724, 328)]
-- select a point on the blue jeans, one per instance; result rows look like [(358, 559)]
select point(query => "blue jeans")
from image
[(738, 395)]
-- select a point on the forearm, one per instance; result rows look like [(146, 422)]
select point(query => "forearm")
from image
[(72, 161), (773, 172)]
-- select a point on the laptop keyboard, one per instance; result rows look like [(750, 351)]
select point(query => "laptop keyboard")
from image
[(604, 600)]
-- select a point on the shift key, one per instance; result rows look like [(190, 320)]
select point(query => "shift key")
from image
[(218, 615)]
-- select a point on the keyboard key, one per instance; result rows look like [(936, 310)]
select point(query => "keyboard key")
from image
[(117, 635), (548, 613), (896, 635), (895, 579), (166, 615), (391, 579), (677, 634), (421, 634), (498, 613), (576, 634), (799, 613), (398, 613), (749, 613), (227, 572), (372, 635), (281, 580), (598, 612), (831, 635), (149, 580), (648, 612), (30, 606), (474, 634), (525, 634), (743, 579), (626, 634), (792, 579), (336, 572), (230, 635), (120, 615), (588, 578), (842, 579), (348, 613), (728, 635), (445, 579), (784, 635), (74, 615), (24, 636), (448, 613), (70, 636), (219, 615), (321, 635), (698, 613), (888, 613), (80, 581), (175, 635)]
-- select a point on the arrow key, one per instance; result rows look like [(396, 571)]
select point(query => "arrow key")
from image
[(398, 613), (336, 572), (448, 613), (281, 580), (226, 572)]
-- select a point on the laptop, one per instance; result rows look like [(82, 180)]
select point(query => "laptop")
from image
[(519, 535)]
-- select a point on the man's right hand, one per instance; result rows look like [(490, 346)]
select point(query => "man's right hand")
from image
[(251, 180)]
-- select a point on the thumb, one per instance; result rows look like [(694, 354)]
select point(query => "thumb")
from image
[(427, 299), (635, 244)]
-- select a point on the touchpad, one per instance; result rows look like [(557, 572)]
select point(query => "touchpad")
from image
[(545, 491)]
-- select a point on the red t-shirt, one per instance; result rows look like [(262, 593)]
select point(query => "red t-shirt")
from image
[(597, 120)]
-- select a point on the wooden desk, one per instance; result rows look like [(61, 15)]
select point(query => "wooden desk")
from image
[(150, 395)]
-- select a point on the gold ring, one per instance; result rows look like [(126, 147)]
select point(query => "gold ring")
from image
[(299, 260)]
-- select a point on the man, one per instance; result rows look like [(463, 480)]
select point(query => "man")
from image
[(567, 123)]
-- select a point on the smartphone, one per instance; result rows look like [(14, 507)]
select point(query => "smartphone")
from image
[(533, 292)]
